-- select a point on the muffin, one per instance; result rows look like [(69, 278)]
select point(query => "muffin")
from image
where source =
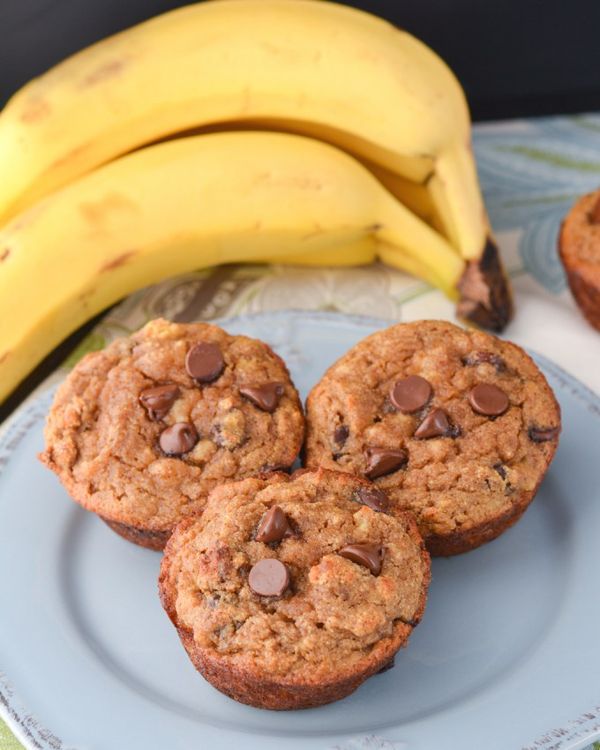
[(458, 427), (289, 592), (579, 250), (142, 431)]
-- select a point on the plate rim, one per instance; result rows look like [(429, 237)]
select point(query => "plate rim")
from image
[(575, 734)]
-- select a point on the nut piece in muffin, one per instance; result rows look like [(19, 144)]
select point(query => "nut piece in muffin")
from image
[(579, 250), (458, 427), (142, 431), (289, 592)]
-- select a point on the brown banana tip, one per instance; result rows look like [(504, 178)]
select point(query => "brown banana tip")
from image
[(485, 294)]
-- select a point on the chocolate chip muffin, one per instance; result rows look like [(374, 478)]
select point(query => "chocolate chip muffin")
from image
[(457, 427), (140, 432), (579, 250), (289, 592)]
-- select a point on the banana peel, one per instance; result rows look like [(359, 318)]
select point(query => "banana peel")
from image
[(191, 203)]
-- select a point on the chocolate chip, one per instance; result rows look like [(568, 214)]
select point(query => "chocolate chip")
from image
[(479, 358), (382, 461), (542, 434), (267, 468), (488, 399), (269, 577), (435, 424), (273, 526), (369, 555), (386, 667), (157, 401), (266, 396), (178, 439), (340, 434), (410, 394), (372, 498), (501, 469), (204, 362)]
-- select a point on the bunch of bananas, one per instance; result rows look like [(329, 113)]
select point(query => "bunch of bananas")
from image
[(293, 131)]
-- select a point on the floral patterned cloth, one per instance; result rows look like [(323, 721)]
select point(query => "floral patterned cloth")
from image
[(531, 172)]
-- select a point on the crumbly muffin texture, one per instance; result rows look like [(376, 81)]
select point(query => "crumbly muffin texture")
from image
[(579, 250), (582, 229), (472, 452), (334, 614), (120, 448)]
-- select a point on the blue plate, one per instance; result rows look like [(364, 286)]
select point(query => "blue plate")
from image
[(507, 655)]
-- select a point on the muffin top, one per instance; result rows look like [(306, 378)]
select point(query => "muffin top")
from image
[(296, 578), (456, 426), (143, 430)]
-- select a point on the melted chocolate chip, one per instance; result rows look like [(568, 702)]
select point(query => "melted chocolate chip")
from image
[(267, 468), (204, 362), (382, 461), (479, 358), (410, 394), (158, 401), (273, 527), (435, 424), (178, 439), (372, 498), (369, 555), (265, 397), (501, 469), (269, 577), (340, 434), (542, 434), (488, 399)]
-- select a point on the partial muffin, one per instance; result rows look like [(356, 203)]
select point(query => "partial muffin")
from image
[(142, 431), (457, 427), (579, 250), (289, 592)]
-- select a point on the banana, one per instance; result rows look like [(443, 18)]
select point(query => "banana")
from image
[(189, 203), (307, 66), (372, 87)]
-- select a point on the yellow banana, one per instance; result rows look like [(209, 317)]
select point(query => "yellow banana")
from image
[(188, 203), (414, 195), (484, 290), (331, 70), (447, 197)]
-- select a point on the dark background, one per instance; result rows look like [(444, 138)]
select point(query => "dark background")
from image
[(514, 57)]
